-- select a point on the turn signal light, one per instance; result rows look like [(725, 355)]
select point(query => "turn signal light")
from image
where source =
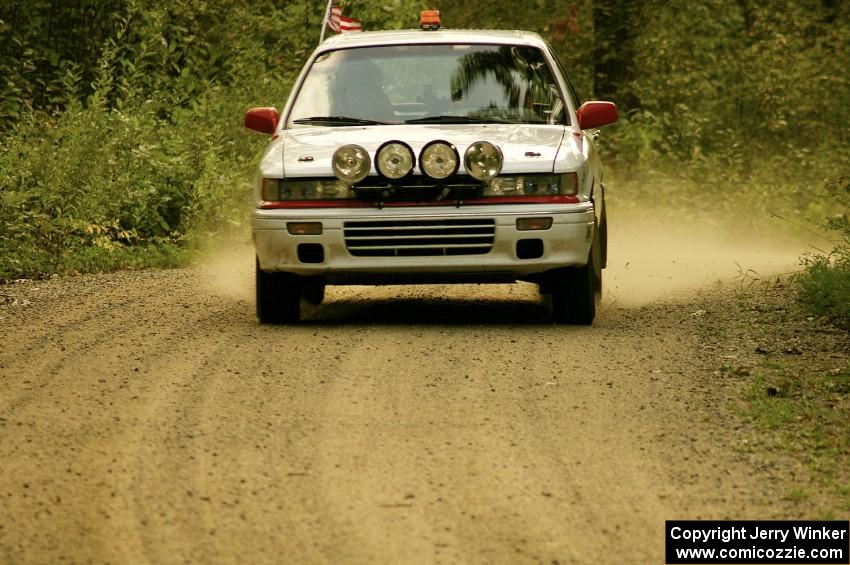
[(533, 224), (429, 20), (304, 228)]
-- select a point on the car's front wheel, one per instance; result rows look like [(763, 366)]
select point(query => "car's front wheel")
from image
[(278, 297), (576, 290), (313, 292)]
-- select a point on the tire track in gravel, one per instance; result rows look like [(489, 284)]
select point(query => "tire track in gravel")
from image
[(87, 319), (100, 403)]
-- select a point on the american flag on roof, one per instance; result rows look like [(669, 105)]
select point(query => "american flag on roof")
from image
[(349, 24), (341, 24), (333, 18)]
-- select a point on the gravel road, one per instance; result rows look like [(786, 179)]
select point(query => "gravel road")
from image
[(146, 418)]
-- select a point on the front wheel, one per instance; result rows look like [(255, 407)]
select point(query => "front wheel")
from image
[(278, 297), (574, 295), (312, 292), (576, 290)]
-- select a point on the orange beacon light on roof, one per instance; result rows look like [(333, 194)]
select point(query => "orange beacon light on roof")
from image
[(429, 20)]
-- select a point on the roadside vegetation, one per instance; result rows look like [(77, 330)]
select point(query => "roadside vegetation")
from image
[(790, 378), (121, 138), (825, 286), (803, 410), (121, 142)]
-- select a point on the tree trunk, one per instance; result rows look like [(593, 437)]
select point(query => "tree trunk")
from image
[(615, 25)]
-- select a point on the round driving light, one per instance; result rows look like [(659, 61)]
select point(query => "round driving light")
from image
[(439, 160), (483, 160), (394, 160), (351, 163)]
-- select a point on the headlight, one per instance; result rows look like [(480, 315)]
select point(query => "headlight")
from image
[(279, 190), (271, 190), (532, 185), (439, 160), (483, 160), (394, 160), (351, 163)]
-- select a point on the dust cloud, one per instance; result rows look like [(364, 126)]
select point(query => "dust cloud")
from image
[(227, 268), (650, 260)]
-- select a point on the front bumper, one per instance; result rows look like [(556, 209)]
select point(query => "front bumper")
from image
[(566, 243)]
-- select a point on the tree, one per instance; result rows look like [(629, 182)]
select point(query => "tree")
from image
[(616, 24)]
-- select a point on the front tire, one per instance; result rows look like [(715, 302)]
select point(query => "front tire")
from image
[(603, 240), (576, 290), (574, 295), (312, 292), (278, 297)]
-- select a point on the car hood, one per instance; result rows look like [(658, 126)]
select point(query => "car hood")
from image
[(307, 152)]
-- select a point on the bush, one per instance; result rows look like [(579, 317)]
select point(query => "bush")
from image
[(825, 286), (104, 186)]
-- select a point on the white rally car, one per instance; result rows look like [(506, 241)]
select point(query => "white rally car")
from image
[(416, 156)]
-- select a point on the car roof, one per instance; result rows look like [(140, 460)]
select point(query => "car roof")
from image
[(415, 36)]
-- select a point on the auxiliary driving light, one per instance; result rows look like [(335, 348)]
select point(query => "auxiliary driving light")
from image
[(439, 160), (483, 160), (351, 163), (394, 160)]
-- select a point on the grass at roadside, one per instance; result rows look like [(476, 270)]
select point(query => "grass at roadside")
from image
[(805, 413), (825, 286), (93, 259), (792, 392)]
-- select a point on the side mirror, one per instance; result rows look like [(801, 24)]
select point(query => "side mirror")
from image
[(595, 114), (263, 120)]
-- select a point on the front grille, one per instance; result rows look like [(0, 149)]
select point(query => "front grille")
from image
[(424, 238)]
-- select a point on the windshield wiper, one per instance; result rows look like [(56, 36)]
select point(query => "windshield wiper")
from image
[(337, 121), (460, 120)]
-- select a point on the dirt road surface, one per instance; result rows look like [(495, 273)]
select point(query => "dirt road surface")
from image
[(147, 418)]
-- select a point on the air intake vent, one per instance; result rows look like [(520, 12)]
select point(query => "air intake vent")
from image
[(426, 238)]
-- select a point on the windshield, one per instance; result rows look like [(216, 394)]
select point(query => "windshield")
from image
[(429, 84)]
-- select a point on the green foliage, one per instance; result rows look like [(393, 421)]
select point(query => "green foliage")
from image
[(747, 101), (825, 286), (41, 40), (121, 138), (113, 175), (804, 412)]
